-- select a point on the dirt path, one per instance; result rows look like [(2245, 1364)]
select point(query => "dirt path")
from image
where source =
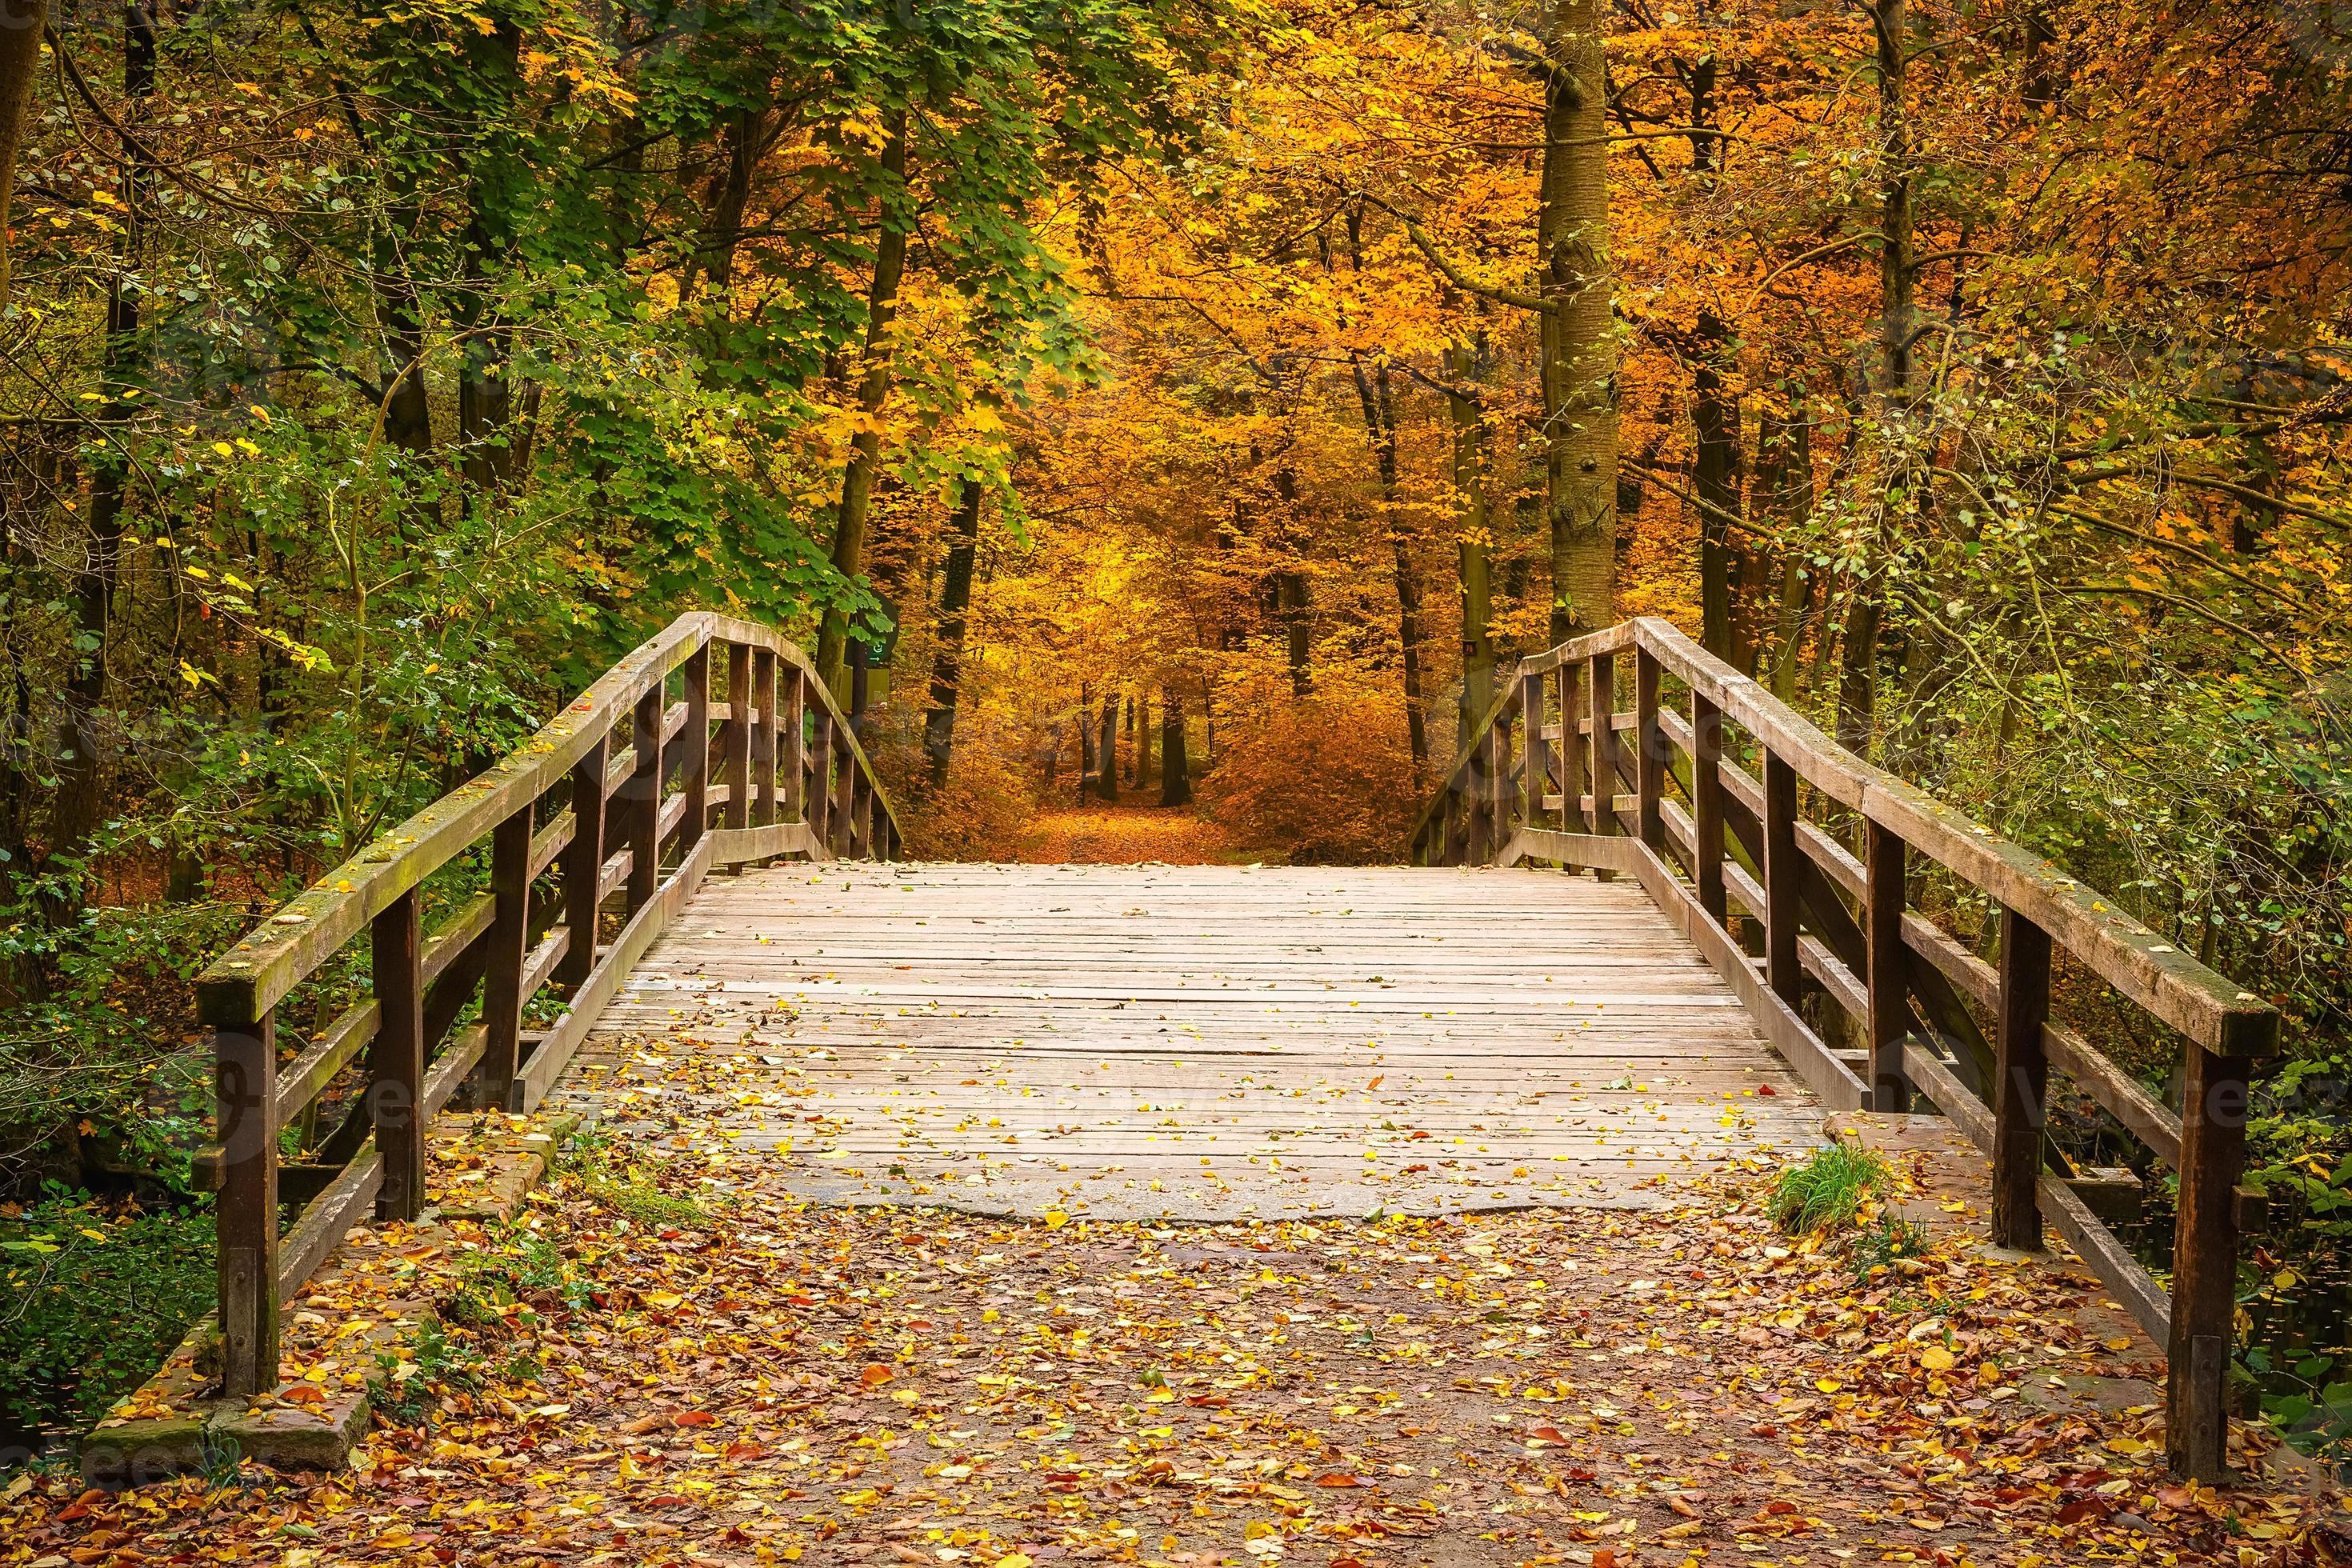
[(764, 1382), (1128, 836)]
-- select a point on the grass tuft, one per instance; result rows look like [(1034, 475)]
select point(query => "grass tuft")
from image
[(1828, 1190)]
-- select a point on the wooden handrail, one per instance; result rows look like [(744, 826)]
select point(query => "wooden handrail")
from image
[(611, 759), (1836, 924)]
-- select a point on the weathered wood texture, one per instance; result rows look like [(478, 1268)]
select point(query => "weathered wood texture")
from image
[(599, 779), (1747, 867), (1192, 1041)]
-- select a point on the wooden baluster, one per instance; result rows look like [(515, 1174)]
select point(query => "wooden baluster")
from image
[(1707, 805), (1600, 679), (842, 813), (1534, 779), (583, 864), (2022, 1071), (1890, 997), (1781, 971), (879, 839), (2205, 1264), (1650, 758), (693, 778), (396, 1058), (820, 777), (509, 938), (1572, 770), (735, 737), (765, 735), (792, 747), (245, 1116), (1478, 842), (1500, 791), (642, 798)]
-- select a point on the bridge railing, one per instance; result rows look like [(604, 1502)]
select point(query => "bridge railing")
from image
[(1558, 772), (598, 829)]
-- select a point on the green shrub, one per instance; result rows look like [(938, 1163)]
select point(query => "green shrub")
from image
[(93, 1304), (1827, 1191)]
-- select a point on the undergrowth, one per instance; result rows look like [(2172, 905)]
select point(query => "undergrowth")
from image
[(1828, 1192), (628, 1190)]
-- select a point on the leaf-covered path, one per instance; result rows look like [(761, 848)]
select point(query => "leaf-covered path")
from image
[(734, 1377)]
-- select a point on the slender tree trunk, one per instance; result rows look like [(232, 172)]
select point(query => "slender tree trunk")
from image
[(1107, 750), (1376, 398), (1789, 442), (1175, 769), (1579, 331), (874, 391), (1143, 736), (946, 661), (79, 804), (1715, 418), (21, 21), (1865, 613), (1474, 532), (1086, 741)]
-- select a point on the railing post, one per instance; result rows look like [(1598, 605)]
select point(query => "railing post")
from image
[(1600, 679), (1706, 807), (1650, 759), (1780, 872), (694, 780), (643, 793), (765, 733), (396, 1058), (502, 981), (245, 1114), (1535, 778), (2205, 1264), (1889, 991), (792, 747), (583, 864), (735, 737), (2023, 1072)]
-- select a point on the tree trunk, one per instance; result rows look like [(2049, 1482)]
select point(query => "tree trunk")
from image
[(1086, 741), (1107, 750), (79, 804), (946, 661), (1175, 769), (1143, 736), (1865, 614), (866, 452), (1467, 365), (1784, 450), (1579, 332), (1715, 419), (21, 21)]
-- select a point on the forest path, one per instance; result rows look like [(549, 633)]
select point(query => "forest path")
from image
[(1101, 834), (1200, 1042)]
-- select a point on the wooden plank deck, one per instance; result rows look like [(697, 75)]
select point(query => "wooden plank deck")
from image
[(1195, 1042)]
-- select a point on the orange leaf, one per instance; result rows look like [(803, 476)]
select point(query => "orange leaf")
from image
[(876, 1375), (1546, 1434), (696, 1418), (1338, 1479)]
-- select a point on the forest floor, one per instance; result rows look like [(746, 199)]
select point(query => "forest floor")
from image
[(1106, 835), (734, 1376)]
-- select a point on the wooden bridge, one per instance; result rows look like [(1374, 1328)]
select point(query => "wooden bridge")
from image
[(1120, 1041)]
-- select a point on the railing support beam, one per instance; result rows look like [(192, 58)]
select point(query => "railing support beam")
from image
[(1888, 962), (2205, 1264)]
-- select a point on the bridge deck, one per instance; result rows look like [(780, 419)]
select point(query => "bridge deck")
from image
[(1199, 1042)]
